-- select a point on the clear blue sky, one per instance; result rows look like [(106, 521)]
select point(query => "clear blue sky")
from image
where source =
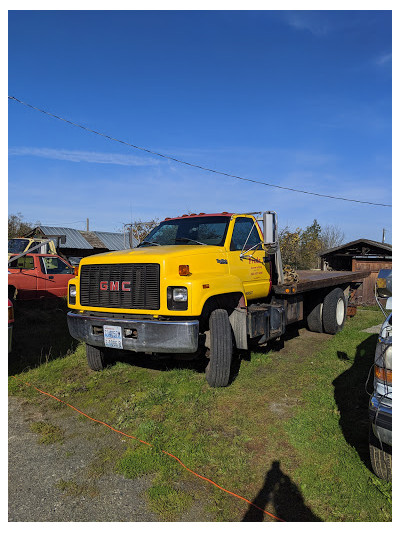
[(300, 99)]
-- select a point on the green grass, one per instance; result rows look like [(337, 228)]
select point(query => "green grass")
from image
[(288, 434), (48, 433)]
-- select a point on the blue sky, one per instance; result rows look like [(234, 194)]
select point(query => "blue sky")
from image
[(300, 99)]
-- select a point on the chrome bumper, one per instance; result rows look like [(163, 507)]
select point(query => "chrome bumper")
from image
[(150, 335), (381, 420)]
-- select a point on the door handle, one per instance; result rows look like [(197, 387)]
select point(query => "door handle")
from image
[(51, 277)]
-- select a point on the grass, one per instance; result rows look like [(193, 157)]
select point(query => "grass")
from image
[(49, 433), (289, 434)]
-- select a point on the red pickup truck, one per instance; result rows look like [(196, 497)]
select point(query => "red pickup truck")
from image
[(36, 276)]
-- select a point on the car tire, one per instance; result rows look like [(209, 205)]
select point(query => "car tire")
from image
[(221, 349), (96, 357), (334, 311), (381, 457), (314, 317)]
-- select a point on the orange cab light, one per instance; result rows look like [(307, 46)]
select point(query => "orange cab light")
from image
[(383, 375), (184, 270), (76, 270)]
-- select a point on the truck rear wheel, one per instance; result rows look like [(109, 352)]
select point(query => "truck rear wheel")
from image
[(314, 317), (381, 459), (334, 311), (221, 348), (96, 357)]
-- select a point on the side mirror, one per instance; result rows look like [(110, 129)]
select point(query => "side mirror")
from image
[(270, 228), (384, 283)]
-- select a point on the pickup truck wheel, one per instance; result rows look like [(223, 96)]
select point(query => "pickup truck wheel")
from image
[(334, 311), (221, 348), (381, 459), (96, 357), (314, 317)]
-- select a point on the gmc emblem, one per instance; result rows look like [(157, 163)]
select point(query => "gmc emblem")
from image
[(116, 286)]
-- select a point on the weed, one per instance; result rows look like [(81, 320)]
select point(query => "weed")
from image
[(49, 433), (168, 502), (75, 489)]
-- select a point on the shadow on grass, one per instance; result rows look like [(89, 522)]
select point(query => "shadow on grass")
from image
[(352, 399), (283, 494), (40, 334)]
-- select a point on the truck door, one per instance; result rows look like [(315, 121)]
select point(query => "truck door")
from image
[(57, 273), (246, 258), (26, 276)]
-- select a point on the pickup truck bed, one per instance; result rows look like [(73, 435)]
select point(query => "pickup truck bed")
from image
[(317, 279)]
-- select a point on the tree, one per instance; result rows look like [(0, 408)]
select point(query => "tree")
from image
[(310, 244), (331, 237), (17, 227), (140, 228), (289, 242), (300, 248)]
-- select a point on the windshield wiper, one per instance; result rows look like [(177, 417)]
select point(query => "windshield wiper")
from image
[(185, 239), (150, 242)]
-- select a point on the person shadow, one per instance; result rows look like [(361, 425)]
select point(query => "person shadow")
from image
[(286, 499)]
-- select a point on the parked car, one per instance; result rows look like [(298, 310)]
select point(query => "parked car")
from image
[(36, 276), (10, 323), (380, 406)]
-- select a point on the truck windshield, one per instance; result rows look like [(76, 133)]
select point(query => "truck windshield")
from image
[(17, 246), (191, 230)]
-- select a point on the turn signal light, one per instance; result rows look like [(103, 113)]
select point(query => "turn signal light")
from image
[(383, 375), (76, 270), (184, 270)]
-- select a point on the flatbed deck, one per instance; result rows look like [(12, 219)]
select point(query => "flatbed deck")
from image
[(309, 280)]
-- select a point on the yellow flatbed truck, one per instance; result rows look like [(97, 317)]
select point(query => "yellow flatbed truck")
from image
[(202, 285)]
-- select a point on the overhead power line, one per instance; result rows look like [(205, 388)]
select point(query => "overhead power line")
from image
[(170, 158)]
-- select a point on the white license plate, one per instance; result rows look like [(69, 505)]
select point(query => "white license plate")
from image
[(113, 336)]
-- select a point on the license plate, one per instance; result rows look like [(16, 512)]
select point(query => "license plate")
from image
[(113, 336)]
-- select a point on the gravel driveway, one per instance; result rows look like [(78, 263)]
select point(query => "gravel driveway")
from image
[(55, 482)]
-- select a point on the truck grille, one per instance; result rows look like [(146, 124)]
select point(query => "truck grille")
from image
[(142, 279)]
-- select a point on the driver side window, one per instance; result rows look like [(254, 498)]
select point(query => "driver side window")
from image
[(245, 235)]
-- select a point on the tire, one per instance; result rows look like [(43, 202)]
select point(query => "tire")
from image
[(221, 349), (314, 317), (334, 311), (381, 458), (96, 357)]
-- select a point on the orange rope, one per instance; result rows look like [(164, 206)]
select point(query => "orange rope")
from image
[(151, 445)]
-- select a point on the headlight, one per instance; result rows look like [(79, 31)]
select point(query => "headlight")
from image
[(177, 298), (72, 294)]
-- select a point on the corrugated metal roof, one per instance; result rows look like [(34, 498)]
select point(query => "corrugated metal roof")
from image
[(74, 238), (115, 241)]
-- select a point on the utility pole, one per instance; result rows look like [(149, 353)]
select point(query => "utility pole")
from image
[(383, 235), (130, 226), (87, 224)]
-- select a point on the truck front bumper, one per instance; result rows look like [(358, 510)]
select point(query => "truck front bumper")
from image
[(149, 335), (380, 416)]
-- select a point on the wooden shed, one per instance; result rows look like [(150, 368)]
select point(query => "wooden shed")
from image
[(360, 255)]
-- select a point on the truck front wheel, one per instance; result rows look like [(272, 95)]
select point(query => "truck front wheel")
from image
[(381, 458), (334, 311), (96, 357), (221, 348)]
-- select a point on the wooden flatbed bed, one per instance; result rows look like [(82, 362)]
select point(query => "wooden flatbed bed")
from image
[(309, 280)]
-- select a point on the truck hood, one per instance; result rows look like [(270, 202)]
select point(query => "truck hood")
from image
[(152, 254)]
